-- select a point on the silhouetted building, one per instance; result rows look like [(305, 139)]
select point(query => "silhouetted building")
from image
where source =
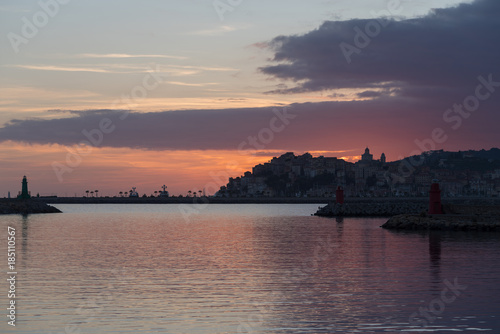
[(133, 193), (474, 173), (164, 192), (367, 156)]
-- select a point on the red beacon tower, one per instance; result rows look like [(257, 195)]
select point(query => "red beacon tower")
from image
[(339, 195), (435, 199)]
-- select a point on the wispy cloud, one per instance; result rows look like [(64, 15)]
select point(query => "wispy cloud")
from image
[(125, 55), (61, 68), (101, 68), (213, 32), (171, 70), (207, 68), (22, 92), (178, 83)]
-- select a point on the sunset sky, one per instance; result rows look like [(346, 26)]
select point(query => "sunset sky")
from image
[(112, 94)]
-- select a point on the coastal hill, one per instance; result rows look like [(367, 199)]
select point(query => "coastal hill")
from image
[(460, 174)]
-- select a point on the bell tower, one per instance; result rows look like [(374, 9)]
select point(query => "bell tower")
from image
[(367, 156)]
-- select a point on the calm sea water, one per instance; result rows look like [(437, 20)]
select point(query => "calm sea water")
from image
[(244, 269)]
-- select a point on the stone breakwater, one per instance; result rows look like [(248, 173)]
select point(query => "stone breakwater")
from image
[(371, 209), (25, 207), (468, 215), (444, 222)]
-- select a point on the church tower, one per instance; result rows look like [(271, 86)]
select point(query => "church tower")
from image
[(367, 156), (382, 158)]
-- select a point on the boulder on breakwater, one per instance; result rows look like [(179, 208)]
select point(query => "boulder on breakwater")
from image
[(24, 207)]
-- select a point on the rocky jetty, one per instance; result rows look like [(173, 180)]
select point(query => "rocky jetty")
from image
[(372, 209), (25, 207), (444, 222), (457, 217)]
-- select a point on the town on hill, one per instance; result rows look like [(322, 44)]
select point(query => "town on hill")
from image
[(463, 173)]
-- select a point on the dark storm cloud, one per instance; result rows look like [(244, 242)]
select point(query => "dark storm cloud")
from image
[(300, 127), (182, 129), (447, 48)]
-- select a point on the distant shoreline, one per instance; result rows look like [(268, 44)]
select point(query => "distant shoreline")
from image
[(404, 205), (180, 200), (249, 200)]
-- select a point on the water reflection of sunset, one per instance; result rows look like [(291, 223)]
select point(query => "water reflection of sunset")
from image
[(238, 265)]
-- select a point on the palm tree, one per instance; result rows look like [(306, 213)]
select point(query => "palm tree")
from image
[(121, 193), (87, 192), (200, 192), (156, 192), (189, 193), (92, 193), (96, 191)]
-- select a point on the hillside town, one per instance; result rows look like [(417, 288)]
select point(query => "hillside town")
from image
[(464, 173)]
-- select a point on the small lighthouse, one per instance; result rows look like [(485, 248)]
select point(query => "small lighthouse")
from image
[(24, 190)]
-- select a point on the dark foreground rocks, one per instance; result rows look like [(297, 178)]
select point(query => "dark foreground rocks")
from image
[(445, 222), (25, 207), (371, 209), (456, 217), (412, 215)]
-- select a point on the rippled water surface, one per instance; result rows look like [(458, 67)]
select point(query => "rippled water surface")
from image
[(244, 269)]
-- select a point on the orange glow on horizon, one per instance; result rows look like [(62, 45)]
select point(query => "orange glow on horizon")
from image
[(111, 170), (351, 158)]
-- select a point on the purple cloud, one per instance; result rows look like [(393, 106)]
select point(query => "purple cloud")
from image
[(444, 50)]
